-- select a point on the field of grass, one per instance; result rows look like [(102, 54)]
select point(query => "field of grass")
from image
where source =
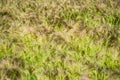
[(59, 39)]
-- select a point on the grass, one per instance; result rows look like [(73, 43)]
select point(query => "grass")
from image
[(59, 40)]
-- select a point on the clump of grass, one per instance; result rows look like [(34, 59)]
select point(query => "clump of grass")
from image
[(11, 68)]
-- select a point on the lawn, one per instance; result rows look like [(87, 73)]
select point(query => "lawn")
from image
[(59, 39)]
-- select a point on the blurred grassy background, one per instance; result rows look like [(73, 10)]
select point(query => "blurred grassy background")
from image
[(59, 40)]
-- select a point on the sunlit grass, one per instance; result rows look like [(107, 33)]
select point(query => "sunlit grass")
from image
[(59, 40)]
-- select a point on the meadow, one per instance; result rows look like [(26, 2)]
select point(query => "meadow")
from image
[(59, 39)]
